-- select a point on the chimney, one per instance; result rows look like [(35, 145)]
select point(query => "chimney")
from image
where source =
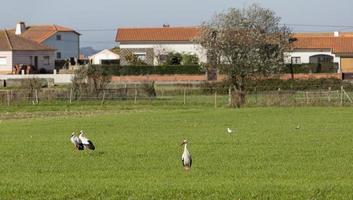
[(336, 34), (20, 28)]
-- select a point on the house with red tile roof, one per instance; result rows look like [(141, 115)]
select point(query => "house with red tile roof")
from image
[(152, 44), (322, 48), (65, 40), (17, 51)]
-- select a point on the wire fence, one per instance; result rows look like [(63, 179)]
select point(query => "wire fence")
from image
[(192, 96)]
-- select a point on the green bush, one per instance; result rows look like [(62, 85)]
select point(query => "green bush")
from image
[(311, 68), (118, 70), (275, 84)]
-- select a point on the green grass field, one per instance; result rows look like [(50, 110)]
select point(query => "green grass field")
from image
[(138, 154)]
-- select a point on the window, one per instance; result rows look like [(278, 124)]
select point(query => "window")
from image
[(58, 37), (296, 60), (321, 58), (141, 56), (3, 60), (46, 60), (58, 55)]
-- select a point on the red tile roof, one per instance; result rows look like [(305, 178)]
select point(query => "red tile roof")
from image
[(341, 44), (157, 34), (40, 33), (11, 42)]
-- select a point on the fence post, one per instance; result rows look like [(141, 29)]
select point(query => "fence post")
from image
[(279, 96), (230, 96), (71, 95), (135, 100), (8, 97), (307, 97), (36, 93), (329, 94), (184, 96), (255, 95), (341, 95), (215, 99)]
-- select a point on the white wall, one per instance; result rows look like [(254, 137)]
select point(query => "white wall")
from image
[(305, 56), (103, 55), (69, 45), (24, 57), (6, 68), (58, 78), (171, 47)]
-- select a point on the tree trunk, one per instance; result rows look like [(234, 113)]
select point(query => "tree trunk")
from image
[(238, 98)]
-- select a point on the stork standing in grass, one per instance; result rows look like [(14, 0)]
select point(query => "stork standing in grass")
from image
[(88, 144), (76, 141), (186, 157)]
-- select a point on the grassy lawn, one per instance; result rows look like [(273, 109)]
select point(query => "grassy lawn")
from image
[(138, 154)]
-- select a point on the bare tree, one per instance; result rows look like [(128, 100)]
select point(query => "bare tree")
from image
[(92, 79), (245, 43)]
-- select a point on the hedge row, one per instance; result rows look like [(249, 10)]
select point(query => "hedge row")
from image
[(311, 68), (275, 84), (118, 70)]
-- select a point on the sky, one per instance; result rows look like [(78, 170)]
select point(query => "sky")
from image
[(97, 20)]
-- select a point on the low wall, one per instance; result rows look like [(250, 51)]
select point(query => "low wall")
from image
[(160, 78), (58, 78), (311, 76), (195, 78)]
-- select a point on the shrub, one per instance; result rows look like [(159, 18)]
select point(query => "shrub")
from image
[(145, 70), (311, 68), (173, 59), (275, 84), (190, 59)]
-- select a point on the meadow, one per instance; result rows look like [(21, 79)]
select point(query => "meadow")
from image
[(275, 153)]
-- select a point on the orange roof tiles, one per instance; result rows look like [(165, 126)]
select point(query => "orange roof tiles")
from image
[(341, 44), (40, 33), (11, 42), (157, 34)]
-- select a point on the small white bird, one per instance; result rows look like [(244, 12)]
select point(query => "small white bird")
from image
[(186, 157), (76, 141), (229, 130), (86, 142)]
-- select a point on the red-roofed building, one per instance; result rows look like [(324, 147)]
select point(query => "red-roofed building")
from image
[(152, 44), (323, 47), (65, 40), (17, 51)]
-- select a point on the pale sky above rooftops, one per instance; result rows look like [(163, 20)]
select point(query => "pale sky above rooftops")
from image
[(97, 21)]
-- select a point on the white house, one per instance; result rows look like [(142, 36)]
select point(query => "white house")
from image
[(16, 50), (151, 44), (66, 41), (106, 56), (323, 47)]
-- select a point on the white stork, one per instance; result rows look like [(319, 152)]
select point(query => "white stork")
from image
[(76, 141), (86, 142), (186, 157)]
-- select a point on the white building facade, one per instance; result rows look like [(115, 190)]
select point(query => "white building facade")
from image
[(314, 48), (103, 57), (18, 51), (67, 45), (151, 44), (65, 41)]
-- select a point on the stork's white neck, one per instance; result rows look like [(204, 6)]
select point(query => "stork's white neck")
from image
[(185, 147)]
